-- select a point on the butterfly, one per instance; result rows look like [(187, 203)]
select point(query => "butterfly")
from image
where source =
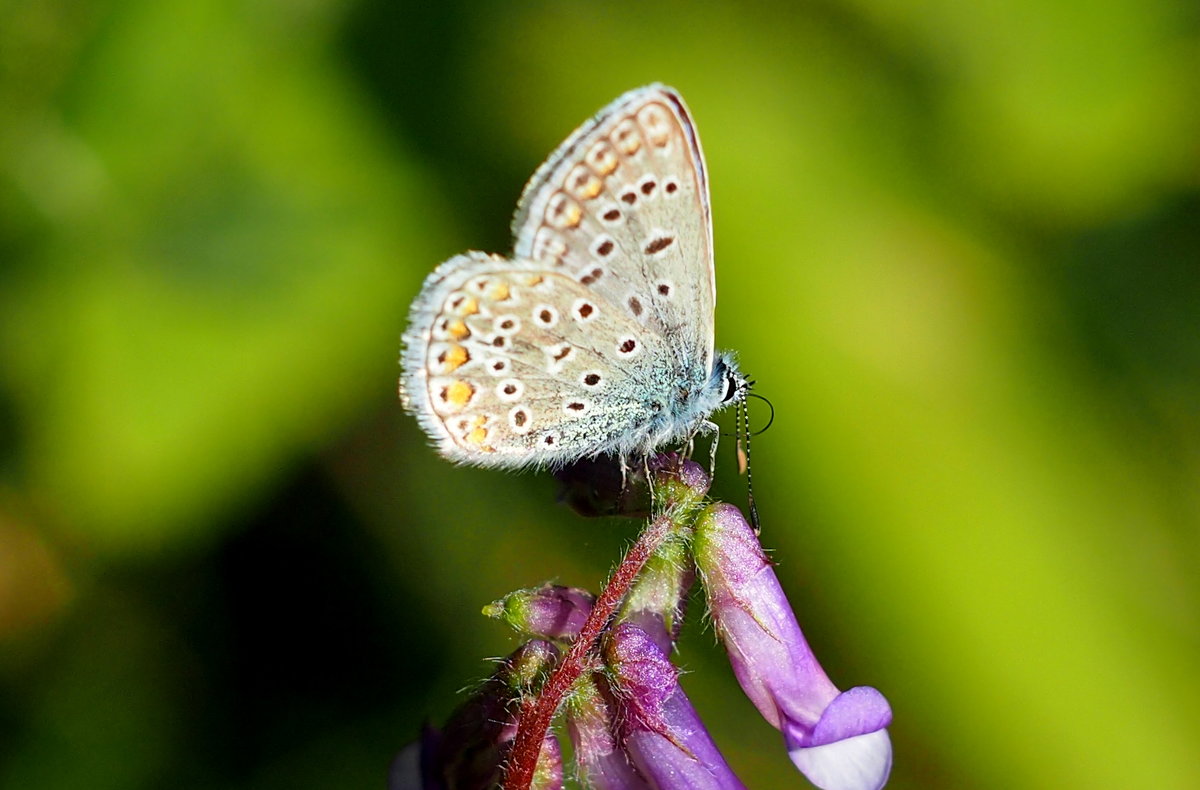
[(595, 337)]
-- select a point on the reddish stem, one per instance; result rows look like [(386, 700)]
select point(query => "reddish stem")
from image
[(537, 714)]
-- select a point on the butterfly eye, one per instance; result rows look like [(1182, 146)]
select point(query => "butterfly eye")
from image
[(734, 384)]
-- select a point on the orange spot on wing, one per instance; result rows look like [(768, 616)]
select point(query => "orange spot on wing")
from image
[(459, 392), (458, 329), (590, 189), (602, 159), (454, 358), (626, 138)]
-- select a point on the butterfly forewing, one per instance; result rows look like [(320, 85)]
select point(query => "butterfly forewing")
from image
[(622, 206)]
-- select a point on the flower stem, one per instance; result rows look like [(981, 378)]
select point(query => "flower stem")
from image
[(537, 714)]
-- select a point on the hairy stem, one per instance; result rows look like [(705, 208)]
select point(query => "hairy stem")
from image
[(537, 714)]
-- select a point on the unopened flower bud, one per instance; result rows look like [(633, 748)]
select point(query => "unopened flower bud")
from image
[(662, 732), (602, 763), (550, 611), (679, 482)]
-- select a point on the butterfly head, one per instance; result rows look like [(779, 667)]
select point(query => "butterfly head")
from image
[(729, 381)]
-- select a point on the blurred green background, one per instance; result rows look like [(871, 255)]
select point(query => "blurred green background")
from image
[(958, 246)]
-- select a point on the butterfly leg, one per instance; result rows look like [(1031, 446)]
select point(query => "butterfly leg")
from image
[(649, 479), (711, 427)]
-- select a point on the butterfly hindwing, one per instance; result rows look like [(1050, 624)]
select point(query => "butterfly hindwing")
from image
[(522, 365)]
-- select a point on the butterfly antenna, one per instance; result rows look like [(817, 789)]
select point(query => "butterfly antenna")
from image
[(743, 431), (770, 406)]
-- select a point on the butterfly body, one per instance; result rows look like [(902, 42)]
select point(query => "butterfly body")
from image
[(596, 336)]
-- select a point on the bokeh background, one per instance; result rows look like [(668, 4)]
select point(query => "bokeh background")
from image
[(958, 246)]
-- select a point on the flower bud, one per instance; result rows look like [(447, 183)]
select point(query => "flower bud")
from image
[(601, 762), (679, 482), (661, 731), (838, 740), (550, 611), (548, 775)]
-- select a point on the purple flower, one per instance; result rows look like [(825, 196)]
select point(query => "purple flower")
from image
[(550, 611), (660, 730), (632, 726), (838, 740), (602, 763)]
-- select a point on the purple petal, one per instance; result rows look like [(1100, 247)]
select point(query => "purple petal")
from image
[(658, 600), (857, 711), (684, 470), (837, 740), (849, 748), (550, 611), (769, 654), (663, 734)]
